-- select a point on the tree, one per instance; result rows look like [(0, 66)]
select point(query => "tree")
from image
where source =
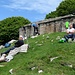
[(65, 7), (51, 15), (9, 28)]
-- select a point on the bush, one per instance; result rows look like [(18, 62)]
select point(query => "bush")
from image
[(9, 28)]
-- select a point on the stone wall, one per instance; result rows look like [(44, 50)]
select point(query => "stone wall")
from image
[(48, 26)]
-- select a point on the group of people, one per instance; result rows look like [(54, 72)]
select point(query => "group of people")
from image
[(70, 31), (19, 43), (70, 34)]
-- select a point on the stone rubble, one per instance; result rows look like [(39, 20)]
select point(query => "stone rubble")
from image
[(51, 59), (40, 71)]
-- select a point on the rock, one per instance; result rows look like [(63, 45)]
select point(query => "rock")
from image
[(1, 65), (11, 71), (66, 64), (1, 46), (39, 44), (34, 36), (69, 65), (43, 35), (47, 37), (40, 71), (25, 38), (58, 37), (32, 68), (51, 59), (51, 40)]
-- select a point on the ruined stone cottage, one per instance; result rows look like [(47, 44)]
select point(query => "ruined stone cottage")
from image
[(48, 25)]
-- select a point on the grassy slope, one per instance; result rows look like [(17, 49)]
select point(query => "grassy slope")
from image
[(39, 57)]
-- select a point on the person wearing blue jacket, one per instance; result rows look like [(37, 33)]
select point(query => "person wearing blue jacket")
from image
[(35, 28)]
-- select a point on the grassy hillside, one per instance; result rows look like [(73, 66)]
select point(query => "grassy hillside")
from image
[(41, 50)]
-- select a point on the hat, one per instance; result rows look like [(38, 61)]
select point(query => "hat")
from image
[(33, 24), (21, 36)]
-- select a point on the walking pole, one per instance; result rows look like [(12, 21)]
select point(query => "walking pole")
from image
[(27, 40), (25, 36)]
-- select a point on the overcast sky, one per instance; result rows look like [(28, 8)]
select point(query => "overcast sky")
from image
[(33, 10)]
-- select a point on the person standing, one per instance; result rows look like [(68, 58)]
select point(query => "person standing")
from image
[(35, 29), (66, 24)]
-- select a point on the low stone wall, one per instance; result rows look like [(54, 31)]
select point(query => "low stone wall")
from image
[(48, 25)]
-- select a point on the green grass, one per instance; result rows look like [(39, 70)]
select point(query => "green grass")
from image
[(39, 57)]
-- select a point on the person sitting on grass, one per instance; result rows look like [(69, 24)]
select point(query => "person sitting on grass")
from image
[(19, 43), (70, 33)]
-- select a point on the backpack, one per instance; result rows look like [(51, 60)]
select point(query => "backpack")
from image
[(62, 40), (7, 45), (74, 25), (34, 25)]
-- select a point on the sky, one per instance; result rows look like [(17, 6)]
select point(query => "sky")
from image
[(33, 10)]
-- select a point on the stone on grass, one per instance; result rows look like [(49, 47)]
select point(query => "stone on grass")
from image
[(11, 71), (1, 46), (51, 40), (40, 71), (43, 35), (51, 59), (34, 36), (58, 37), (25, 38), (47, 37), (69, 65), (39, 44), (2, 65), (32, 68), (66, 64)]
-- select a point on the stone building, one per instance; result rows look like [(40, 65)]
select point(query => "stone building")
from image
[(48, 25)]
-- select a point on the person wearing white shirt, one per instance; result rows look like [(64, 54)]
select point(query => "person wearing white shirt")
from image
[(70, 33)]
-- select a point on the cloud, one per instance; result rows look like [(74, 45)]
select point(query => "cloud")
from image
[(41, 6)]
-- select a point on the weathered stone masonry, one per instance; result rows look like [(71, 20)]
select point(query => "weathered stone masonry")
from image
[(48, 25)]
